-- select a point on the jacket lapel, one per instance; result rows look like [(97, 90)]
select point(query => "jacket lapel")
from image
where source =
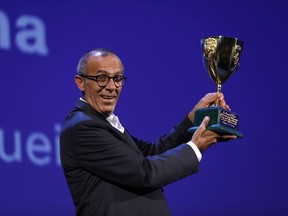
[(89, 110)]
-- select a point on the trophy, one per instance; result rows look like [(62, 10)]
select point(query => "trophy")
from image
[(221, 57)]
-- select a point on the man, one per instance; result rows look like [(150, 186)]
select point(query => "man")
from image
[(110, 172)]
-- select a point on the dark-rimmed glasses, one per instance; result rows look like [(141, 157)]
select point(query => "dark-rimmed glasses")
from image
[(103, 80)]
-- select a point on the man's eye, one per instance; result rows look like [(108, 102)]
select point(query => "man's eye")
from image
[(118, 78), (101, 78)]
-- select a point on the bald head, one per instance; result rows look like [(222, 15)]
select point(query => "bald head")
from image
[(100, 52)]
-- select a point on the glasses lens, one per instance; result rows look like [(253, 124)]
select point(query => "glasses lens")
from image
[(119, 80), (102, 80)]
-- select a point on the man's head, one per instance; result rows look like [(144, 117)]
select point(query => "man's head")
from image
[(100, 77)]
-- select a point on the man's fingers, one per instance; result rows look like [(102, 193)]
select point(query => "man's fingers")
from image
[(196, 138), (204, 124), (211, 97), (206, 121), (202, 127), (226, 138), (229, 137)]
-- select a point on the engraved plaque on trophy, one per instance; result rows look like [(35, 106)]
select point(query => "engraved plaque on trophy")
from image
[(221, 57)]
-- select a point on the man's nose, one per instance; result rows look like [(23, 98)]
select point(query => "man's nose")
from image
[(111, 84)]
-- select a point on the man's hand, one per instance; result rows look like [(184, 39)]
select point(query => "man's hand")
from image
[(206, 101), (204, 139)]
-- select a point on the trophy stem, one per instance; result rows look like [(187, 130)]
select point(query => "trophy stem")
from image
[(219, 87)]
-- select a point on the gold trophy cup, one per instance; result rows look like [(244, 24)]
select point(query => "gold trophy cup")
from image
[(221, 57)]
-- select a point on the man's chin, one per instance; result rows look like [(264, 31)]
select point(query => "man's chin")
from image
[(108, 111)]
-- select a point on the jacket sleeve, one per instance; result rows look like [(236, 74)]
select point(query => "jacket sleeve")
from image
[(178, 135)]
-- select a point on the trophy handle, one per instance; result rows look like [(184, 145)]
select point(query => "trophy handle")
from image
[(236, 51)]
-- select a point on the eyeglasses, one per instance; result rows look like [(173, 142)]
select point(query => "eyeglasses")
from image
[(103, 80)]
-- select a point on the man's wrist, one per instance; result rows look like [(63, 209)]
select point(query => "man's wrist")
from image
[(196, 150)]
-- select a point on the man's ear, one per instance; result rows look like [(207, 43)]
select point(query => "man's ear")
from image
[(79, 82)]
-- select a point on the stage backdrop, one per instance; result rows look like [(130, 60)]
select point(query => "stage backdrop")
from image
[(159, 43)]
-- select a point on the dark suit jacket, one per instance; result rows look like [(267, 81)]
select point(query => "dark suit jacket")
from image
[(111, 173)]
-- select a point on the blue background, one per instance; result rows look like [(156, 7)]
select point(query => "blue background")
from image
[(159, 44)]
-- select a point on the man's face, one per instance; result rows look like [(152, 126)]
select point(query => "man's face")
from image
[(102, 99)]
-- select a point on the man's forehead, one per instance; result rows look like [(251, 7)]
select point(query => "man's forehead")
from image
[(106, 63), (104, 59)]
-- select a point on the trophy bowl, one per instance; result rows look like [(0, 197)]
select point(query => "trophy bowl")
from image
[(221, 56)]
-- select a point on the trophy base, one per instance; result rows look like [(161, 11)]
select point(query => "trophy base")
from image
[(222, 121)]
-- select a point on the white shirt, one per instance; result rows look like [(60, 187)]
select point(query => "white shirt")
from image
[(114, 121)]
